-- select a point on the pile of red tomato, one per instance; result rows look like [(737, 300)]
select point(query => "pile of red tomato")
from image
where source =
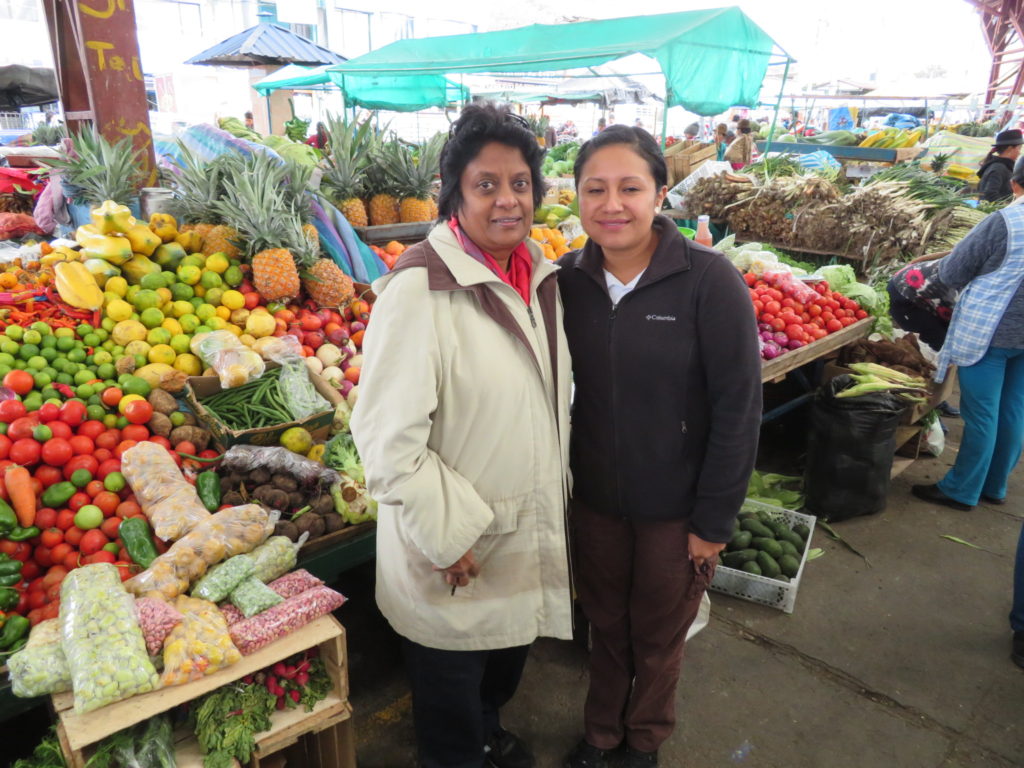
[(58, 444), (792, 314)]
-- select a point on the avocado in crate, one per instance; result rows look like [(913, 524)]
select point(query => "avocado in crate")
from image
[(764, 558)]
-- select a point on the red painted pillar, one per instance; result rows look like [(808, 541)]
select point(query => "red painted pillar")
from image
[(96, 52)]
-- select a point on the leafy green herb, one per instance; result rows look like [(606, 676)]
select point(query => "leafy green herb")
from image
[(47, 754), (227, 721)]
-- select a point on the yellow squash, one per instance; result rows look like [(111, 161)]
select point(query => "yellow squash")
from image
[(77, 286), (112, 217), (143, 239)]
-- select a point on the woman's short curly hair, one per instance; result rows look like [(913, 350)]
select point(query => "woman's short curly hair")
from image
[(480, 124)]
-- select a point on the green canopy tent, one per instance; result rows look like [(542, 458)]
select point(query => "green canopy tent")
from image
[(398, 93), (711, 59)]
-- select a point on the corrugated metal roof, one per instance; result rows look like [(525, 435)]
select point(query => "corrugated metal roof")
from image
[(266, 44)]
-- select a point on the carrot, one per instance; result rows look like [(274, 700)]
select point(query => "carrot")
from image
[(23, 498)]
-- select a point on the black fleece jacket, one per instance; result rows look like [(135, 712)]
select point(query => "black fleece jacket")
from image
[(667, 407)]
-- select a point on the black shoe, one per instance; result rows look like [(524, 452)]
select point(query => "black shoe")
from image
[(993, 500), (947, 410), (933, 494), (1018, 649), (586, 755), (506, 750), (634, 758)]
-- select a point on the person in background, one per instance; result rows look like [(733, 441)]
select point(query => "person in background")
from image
[(665, 423), (463, 429), (997, 167), (249, 122), (691, 132), (320, 138), (741, 151), (721, 140), (601, 125)]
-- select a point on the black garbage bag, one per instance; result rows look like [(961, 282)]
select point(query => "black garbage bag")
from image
[(850, 451)]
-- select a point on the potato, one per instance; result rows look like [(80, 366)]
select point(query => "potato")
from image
[(200, 438), (285, 482), (296, 500), (286, 528), (259, 477), (333, 522)]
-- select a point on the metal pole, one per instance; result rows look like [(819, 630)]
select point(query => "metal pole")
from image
[(778, 106), (664, 117)]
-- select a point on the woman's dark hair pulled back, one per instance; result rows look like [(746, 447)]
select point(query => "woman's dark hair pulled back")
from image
[(479, 124), (637, 139)]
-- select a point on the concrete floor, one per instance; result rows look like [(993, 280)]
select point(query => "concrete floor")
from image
[(899, 660)]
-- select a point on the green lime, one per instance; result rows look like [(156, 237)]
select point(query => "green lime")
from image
[(19, 364), (49, 354), (37, 363), (101, 357), (84, 377), (81, 478), (102, 334), (189, 323), (197, 302), (233, 276), (177, 418), (95, 412), (9, 347), (152, 317), (146, 299), (122, 378), (114, 482), (48, 342), (95, 399), (203, 329), (213, 295), (43, 329), (117, 351), (4, 370), (65, 343), (205, 312), (169, 278), (50, 371), (32, 337), (210, 279), (3, 428), (180, 343), (28, 351), (42, 380), (109, 420), (65, 378), (136, 385), (141, 360), (121, 422), (49, 393), (85, 391), (105, 371), (158, 336), (15, 332), (6, 358), (77, 355), (33, 401), (42, 433), (152, 281), (83, 329), (182, 292), (107, 324), (92, 340)]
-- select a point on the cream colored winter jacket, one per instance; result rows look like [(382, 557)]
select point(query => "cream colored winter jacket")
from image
[(463, 427)]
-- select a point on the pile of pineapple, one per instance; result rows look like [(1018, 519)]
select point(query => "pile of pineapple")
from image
[(373, 180), (256, 209)]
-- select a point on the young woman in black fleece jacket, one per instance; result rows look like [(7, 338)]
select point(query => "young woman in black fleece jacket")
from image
[(665, 423)]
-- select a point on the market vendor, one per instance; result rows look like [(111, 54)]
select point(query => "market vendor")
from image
[(666, 417), (997, 167), (463, 427), (741, 152)]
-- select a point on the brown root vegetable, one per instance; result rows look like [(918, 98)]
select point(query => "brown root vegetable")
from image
[(200, 438), (285, 482), (162, 402), (232, 498), (226, 486), (190, 420), (287, 528), (125, 364), (324, 505), (259, 477), (333, 522), (174, 381), (160, 424), (311, 522), (272, 497), (297, 500)]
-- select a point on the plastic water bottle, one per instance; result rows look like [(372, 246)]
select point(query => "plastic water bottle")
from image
[(703, 235)]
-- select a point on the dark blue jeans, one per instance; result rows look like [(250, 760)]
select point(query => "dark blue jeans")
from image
[(1017, 614), (456, 696)]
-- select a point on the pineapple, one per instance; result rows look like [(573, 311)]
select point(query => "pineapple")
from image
[(383, 208), (347, 160), (323, 280), (199, 186), (413, 177), (274, 274)]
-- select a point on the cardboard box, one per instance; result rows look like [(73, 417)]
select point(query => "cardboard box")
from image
[(318, 425)]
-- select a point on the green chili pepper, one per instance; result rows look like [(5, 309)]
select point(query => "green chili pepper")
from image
[(9, 565), (8, 599), (15, 628), (138, 540), (8, 520), (10, 579), (208, 488), (22, 534)]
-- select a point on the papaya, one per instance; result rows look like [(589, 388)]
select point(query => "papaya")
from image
[(169, 255), (112, 217), (143, 239), (164, 226), (116, 250), (138, 267)]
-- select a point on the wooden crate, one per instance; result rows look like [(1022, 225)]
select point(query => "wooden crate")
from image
[(776, 369), (682, 164), (79, 732)]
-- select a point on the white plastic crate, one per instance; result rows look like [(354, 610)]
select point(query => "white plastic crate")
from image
[(761, 589)]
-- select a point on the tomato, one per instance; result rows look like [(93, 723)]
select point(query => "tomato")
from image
[(758, 306), (108, 466), (848, 321), (102, 556), (31, 570), (102, 454), (65, 519), (774, 307), (11, 410), (766, 317), (111, 396), (55, 575), (25, 451), (81, 462), (20, 381), (52, 593), (795, 332), (107, 501), (750, 278), (20, 550), (138, 432), (82, 445), (161, 441), (79, 500), (123, 446), (833, 325), (788, 302), (46, 518), (23, 427), (138, 412), (37, 600), (128, 509), (5, 446), (819, 333), (60, 429), (827, 315), (72, 413), (860, 314), (72, 560), (124, 568), (57, 451), (110, 527), (51, 537), (42, 556), (778, 324), (93, 541), (109, 439), (94, 488), (48, 412), (48, 475)]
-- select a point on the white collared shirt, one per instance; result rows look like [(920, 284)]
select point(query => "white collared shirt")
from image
[(617, 289)]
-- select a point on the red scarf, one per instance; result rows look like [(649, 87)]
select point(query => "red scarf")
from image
[(520, 265)]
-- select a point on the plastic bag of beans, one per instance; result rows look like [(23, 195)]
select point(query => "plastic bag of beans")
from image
[(218, 582), (200, 645), (102, 640), (156, 620), (40, 668), (289, 585), (249, 635), (276, 556), (252, 596)]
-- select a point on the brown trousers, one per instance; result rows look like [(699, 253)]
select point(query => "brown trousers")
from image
[(640, 592)]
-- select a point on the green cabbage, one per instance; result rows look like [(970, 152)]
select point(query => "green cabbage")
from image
[(838, 276)]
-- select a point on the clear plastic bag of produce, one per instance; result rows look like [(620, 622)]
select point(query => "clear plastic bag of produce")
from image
[(252, 596), (274, 459), (289, 585), (249, 635), (276, 556), (149, 744), (230, 532), (200, 645), (171, 504), (234, 362), (40, 668), (220, 580), (156, 619), (297, 387), (102, 641)]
